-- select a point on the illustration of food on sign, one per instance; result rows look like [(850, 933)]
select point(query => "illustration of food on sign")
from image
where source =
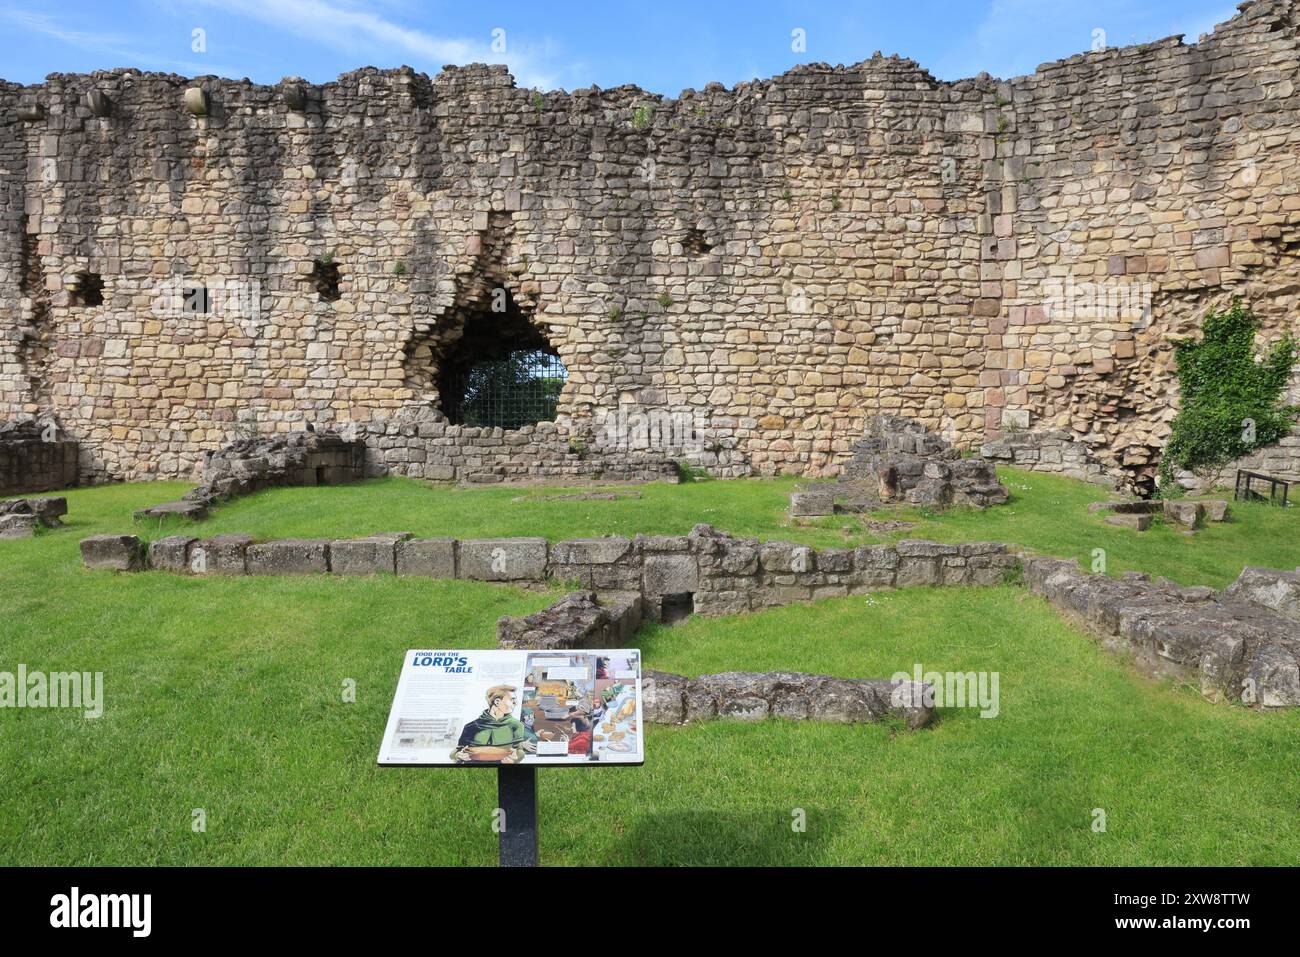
[(501, 707)]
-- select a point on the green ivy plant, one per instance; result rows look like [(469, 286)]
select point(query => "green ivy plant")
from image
[(1231, 398)]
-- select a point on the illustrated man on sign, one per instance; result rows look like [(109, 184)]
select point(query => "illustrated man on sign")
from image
[(496, 735)]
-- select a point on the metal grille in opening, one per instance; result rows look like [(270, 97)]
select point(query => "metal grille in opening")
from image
[(508, 393)]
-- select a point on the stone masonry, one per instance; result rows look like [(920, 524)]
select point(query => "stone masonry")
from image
[(778, 261), (20, 517), (707, 571), (1242, 644), (35, 458), (900, 461), (250, 465), (1048, 450), (578, 620), (752, 696)]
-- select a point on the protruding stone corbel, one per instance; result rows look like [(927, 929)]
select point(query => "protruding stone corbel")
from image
[(30, 111), (196, 101), (99, 102)]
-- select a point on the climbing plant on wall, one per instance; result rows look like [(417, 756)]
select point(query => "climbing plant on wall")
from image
[(1231, 396)]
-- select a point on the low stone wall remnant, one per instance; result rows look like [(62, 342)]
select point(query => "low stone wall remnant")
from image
[(250, 465), (901, 461), (20, 517), (1049, 450), (752, 696), (580, 619), (424, 445), (35, 458), (1233, 648), (707, 571), (1242, 644)]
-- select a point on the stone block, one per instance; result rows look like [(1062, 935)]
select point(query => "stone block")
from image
[(663, 697), (1274, 675), (837, 561), (1278, 591), (590, 551), (428, 557), (124, 553), (738, 558), (785, 558), (503, 559), (171, 554), (1187, 514), (912, 548), (807, 504), (182, 509), (18, 526), (375, 555), (289, 556), (49, 509), (662, 543), (1216, 510), (874, 556), (670, 574), (917, 571), (1137, 521), (220, 555), (700, 704)]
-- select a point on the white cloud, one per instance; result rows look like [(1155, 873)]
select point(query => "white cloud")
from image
[(1017, 36), (106, 43), (360, 32)]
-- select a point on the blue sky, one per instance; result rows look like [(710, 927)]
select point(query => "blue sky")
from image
[(660, 45)]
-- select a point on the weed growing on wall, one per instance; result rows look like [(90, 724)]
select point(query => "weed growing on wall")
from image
[(1231, 398)]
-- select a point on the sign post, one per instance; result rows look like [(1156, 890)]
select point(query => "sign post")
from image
[(516, 710), (517, 801)]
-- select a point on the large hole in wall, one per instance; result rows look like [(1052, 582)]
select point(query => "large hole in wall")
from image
[(694, 242), (502, 371), (325, 277), (676, 607), (88, 290), (482, 357)]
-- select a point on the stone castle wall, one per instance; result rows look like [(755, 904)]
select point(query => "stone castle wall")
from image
[(778, 261)]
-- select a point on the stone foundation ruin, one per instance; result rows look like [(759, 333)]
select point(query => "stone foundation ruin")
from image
[(250, 465), (1241, 644), (771, 264), (900, 461), (752, 696), (35, 457), (20, 517)]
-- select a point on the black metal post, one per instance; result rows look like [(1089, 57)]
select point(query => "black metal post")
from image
[(517, 799)]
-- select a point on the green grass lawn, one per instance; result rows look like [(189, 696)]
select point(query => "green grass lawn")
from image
[(225, 695), (1047, 513)]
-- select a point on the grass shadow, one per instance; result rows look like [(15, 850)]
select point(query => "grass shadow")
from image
[(741, 838)]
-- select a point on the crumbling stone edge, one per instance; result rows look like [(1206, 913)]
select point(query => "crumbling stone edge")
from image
[(752, 696), (1241, 644), (250, 465), (20, 517)]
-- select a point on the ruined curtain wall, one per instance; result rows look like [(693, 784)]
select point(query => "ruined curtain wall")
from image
[(778, 261)]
